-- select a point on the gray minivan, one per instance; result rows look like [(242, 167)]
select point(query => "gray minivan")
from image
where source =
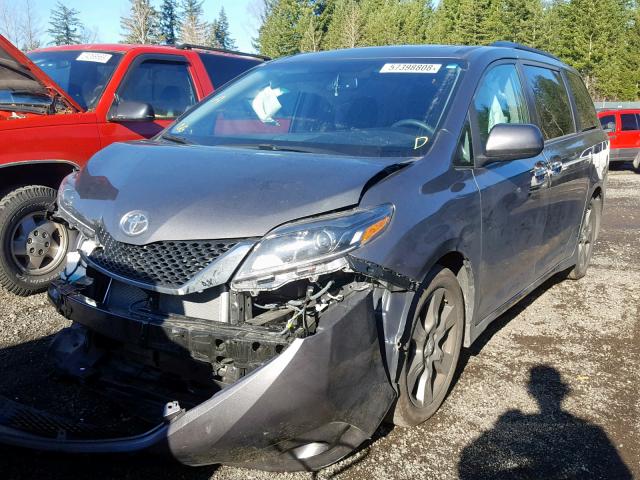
[(308, 250)]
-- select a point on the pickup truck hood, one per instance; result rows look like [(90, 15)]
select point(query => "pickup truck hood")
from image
[(206, 193), (18, 73)]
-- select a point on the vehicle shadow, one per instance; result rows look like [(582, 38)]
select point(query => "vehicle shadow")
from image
[(550, 444)]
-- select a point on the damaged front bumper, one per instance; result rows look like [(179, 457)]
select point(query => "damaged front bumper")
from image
[(314, 402)]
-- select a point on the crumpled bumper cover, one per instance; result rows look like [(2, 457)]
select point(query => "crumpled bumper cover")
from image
[(307, 408)]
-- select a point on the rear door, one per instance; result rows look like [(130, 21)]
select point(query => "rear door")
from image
[(166, 82), (568, 153), (628, 135), (512, 193)]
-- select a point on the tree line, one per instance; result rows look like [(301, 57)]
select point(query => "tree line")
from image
[(600, 38), (173, 21)]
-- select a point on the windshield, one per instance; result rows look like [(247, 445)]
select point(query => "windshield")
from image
[(83, 75), (372, 107)]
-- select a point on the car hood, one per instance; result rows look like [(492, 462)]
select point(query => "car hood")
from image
[(205, 193), (18, 73)]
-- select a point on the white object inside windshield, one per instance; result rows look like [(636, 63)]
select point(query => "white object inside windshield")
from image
[(95, 57), (266, 104)]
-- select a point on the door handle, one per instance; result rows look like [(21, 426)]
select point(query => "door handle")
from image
[(540, 171), (540, 175), (556, 167)]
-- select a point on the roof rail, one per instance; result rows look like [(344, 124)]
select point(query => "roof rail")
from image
[(519, 46), (191, 46)]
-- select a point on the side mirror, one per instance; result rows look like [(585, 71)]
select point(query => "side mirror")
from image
[(610, 127), (127, 111), (512, 141)]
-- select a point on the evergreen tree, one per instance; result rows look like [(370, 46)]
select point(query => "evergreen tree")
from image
[(169, 22), (311, 30), (192, 28), (416, 18), (280, 35), (220, 35), (65, 26), (382, 22), (142, 24), (345, 28), (519, 21)]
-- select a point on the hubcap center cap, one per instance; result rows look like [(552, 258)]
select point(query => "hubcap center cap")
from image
[(38, 243)]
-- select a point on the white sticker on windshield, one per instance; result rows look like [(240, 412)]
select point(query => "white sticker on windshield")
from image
[(410, 68), (95, 57)]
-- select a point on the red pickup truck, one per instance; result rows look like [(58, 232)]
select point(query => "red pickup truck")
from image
[(60, 105), (623, 128)]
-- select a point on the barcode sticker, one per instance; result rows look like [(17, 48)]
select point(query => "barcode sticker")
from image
[(411, 68), (95, 57)]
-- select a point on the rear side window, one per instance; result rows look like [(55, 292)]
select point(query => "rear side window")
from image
[(224, 68), (587, 116), (499, 99), (552, 101), (629, 121), (608, 121)]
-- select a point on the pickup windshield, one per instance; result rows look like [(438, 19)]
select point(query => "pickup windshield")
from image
[(362, 107), (82, 74)]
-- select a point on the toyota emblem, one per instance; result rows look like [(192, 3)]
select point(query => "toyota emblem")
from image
[(134, 223)]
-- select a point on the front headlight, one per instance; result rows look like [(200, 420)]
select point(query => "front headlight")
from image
[(304, 250), (68, 196)]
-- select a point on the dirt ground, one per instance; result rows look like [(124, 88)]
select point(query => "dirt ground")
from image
[(551, 390)]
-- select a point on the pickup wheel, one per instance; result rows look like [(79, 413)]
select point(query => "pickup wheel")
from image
[(586, 239), (432, 351), (32, 248)]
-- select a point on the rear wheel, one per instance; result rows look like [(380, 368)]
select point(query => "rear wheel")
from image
[(433, 351), (587, 238), (32, 248)]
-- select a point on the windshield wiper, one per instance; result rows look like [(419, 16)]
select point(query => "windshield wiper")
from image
[(271, 147), (175, 139), (280, 148)]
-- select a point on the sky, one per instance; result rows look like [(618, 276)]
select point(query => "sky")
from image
[(104, 16)]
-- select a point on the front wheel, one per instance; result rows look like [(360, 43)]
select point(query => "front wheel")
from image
[(32, 247), (587, 238), (433, 350)]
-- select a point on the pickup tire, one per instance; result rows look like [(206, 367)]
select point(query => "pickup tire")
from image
[(32, 248)]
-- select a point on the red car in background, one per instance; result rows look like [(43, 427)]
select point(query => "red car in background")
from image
[(59, 106), (623, 128)]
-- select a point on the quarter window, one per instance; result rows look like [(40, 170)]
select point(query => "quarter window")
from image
[(629, 121), (164, 85), (552, 101), (499, 99), (587, 117), (464, 152)]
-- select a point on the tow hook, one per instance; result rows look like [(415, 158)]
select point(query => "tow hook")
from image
[(171, 411)]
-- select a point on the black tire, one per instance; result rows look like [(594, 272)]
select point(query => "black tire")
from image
[(430, 362), (27, 237), (589, 230)]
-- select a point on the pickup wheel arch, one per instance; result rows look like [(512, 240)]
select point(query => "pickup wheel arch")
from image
[(34, 172)]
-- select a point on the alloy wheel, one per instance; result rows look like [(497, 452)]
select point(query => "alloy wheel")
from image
[(585, 242), (432, 349)]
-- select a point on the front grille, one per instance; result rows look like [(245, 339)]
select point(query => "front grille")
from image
[(169, 264)]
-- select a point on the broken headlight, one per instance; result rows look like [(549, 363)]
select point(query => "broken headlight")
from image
[(308, 249), (67, 197)]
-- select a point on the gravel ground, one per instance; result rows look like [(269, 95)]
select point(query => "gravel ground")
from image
[(549, 391)]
